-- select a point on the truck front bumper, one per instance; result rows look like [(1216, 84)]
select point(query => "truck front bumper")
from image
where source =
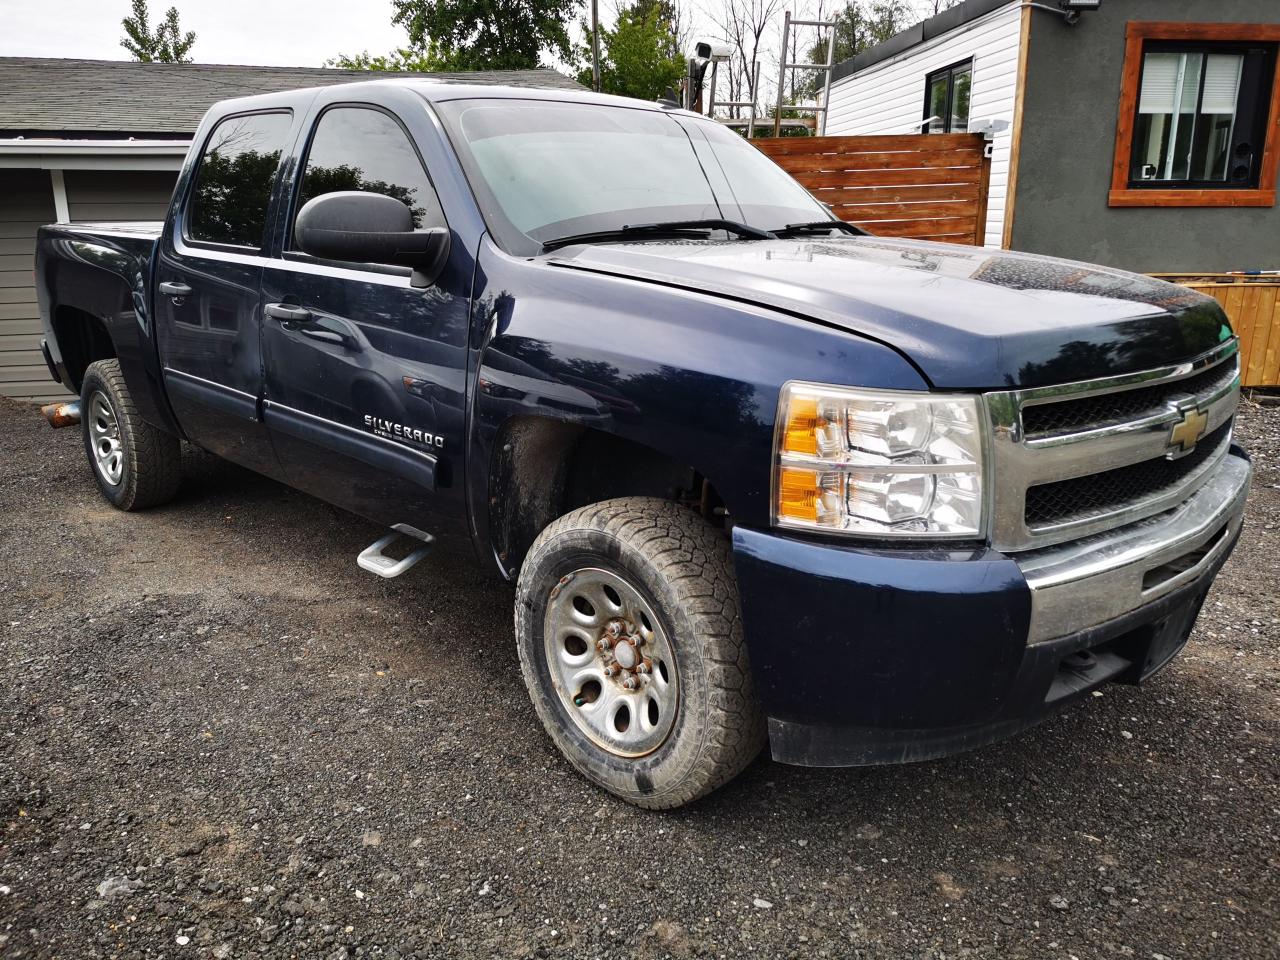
[(875, 655)]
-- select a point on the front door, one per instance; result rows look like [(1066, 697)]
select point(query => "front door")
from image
[(208, 280), (365, 373)]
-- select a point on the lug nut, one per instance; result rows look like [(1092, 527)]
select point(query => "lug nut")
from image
[(629, 683), (604, 644), (615, 628), (611, 671), (644, 667), (638, 639)]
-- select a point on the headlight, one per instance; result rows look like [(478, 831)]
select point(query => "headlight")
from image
[(881, 463)]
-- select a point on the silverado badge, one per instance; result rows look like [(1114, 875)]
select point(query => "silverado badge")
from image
[(398, 431), (1187, 431)]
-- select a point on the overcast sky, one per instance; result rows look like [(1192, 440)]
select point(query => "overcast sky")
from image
[(298, 33)]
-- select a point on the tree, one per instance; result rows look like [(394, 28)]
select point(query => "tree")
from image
[(168, 44), (484, 35), (860, 26), (402, 60), (743, 24), (640, 57)]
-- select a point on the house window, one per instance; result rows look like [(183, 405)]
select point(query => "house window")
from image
[(946, 99), (1198, 112)]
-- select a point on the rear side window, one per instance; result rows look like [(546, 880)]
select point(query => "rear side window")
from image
[(233, 182), (359, 148)]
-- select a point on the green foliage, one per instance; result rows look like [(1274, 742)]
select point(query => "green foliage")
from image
[(402, 60), (640, 57), (168, 44), (860, 25), (487, 35)]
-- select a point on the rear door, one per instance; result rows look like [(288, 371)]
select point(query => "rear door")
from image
[(365, 373), (208, 274)]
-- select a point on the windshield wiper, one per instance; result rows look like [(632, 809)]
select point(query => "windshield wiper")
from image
[(672, 227), (816, 226)]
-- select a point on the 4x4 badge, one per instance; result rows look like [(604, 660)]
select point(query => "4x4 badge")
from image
[(1187, 431)]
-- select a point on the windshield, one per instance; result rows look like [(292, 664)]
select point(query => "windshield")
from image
[(545, 170)]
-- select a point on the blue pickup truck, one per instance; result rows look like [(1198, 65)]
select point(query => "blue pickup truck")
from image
[(756, 475)]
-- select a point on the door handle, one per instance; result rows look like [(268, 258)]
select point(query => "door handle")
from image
[(171, 288), (325, 336), (287, 312)]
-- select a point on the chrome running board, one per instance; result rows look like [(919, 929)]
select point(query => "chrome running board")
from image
[(373, 559)]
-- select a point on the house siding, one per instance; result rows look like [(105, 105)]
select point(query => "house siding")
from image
[(26, 203), (94, 195), (888, 97)]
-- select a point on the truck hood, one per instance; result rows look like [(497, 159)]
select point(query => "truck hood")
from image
[(965, 316)]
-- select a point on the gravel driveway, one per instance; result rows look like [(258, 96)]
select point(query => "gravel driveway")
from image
[(218, 738)]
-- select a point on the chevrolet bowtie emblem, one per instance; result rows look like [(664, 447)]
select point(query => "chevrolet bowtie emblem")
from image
[(1187, 431)]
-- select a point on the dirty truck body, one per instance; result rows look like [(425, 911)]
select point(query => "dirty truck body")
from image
[(755, 474)]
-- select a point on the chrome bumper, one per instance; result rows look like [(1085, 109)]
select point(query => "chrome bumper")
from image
[(1096, 579)]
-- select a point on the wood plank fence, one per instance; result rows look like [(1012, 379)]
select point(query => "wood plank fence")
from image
[(927, 187), (1253, 304)]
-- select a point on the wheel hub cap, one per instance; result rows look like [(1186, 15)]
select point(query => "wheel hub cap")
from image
[(104, 437), (611, 662)]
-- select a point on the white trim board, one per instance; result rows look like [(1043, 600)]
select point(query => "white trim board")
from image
[(62, 154)]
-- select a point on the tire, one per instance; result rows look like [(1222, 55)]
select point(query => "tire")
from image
[(689, 726), (135, 464)]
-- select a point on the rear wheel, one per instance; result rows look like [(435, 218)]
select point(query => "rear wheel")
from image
[(631, 646), (135, 464)]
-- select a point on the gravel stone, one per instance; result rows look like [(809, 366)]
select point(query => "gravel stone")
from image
[(217, 674)]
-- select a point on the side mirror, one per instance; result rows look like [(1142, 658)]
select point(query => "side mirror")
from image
[(358, 227)]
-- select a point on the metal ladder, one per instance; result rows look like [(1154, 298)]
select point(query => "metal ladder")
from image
[(748, 105), (824, 68)]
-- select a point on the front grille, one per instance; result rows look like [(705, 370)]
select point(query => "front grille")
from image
[(1088, 413), (1100, 494)]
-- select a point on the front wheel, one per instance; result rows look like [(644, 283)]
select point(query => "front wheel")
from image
[(136, 465), (631, 645)]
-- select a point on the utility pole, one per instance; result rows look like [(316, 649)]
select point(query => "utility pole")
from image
[(595, 45)]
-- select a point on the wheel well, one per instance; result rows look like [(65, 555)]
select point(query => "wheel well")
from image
[(543, 469), (82, 339)]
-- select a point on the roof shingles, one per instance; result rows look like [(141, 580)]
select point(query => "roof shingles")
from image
[(110, 96)]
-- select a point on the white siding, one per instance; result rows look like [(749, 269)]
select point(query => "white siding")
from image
[(888, 97)]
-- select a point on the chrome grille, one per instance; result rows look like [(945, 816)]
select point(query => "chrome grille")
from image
[(1073, 460), (1099, 494), (1087, 413)]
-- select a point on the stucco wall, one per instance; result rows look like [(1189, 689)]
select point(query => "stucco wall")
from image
[(1068, 146)]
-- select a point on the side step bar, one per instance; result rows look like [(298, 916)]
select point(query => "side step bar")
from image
[(373, 559)]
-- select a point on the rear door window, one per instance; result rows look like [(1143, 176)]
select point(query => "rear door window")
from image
[(234, 180)]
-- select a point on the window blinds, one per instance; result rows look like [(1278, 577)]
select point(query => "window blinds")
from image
[(1222, 83), (1171, 82)]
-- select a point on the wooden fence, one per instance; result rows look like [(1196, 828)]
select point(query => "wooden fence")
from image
[(928, 187), (1253, 304)]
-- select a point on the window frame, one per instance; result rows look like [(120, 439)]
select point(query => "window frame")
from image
[(950, 71), (291, 253), (1137, 34), (188, 201)]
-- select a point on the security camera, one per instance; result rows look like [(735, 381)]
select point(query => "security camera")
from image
[(715, 52)]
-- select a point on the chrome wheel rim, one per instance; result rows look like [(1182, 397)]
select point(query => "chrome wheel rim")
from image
[(104, 438), (611, 663)]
